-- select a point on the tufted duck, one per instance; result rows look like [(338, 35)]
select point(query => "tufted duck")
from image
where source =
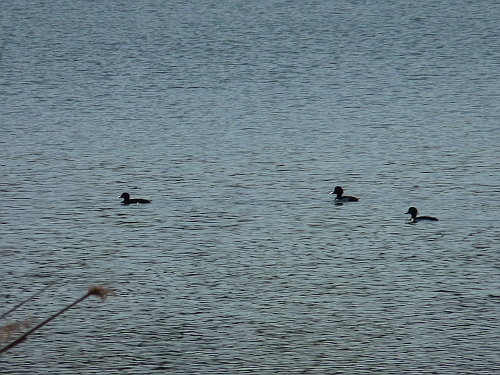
[(127, 200), (339, 191), (414, 212)]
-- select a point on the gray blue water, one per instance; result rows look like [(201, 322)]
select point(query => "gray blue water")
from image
[(237, 119)]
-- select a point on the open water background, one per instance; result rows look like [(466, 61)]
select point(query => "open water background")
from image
[(237, 119)]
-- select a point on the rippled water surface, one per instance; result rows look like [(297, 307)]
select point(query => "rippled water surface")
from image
[(237, 119)]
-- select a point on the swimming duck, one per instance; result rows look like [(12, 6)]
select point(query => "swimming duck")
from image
[(346, 198), (414, 212), (127, 200)]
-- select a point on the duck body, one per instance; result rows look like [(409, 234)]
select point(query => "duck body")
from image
[(414, 219), (127, 200), (343, 198)]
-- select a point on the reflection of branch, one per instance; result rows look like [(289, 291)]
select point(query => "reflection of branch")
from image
[(29, 299), (93, 291)]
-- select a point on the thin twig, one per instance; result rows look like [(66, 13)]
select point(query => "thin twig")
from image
[(22, 303), (93, 291)]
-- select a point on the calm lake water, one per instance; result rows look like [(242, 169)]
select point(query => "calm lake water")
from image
[(237, 119)]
